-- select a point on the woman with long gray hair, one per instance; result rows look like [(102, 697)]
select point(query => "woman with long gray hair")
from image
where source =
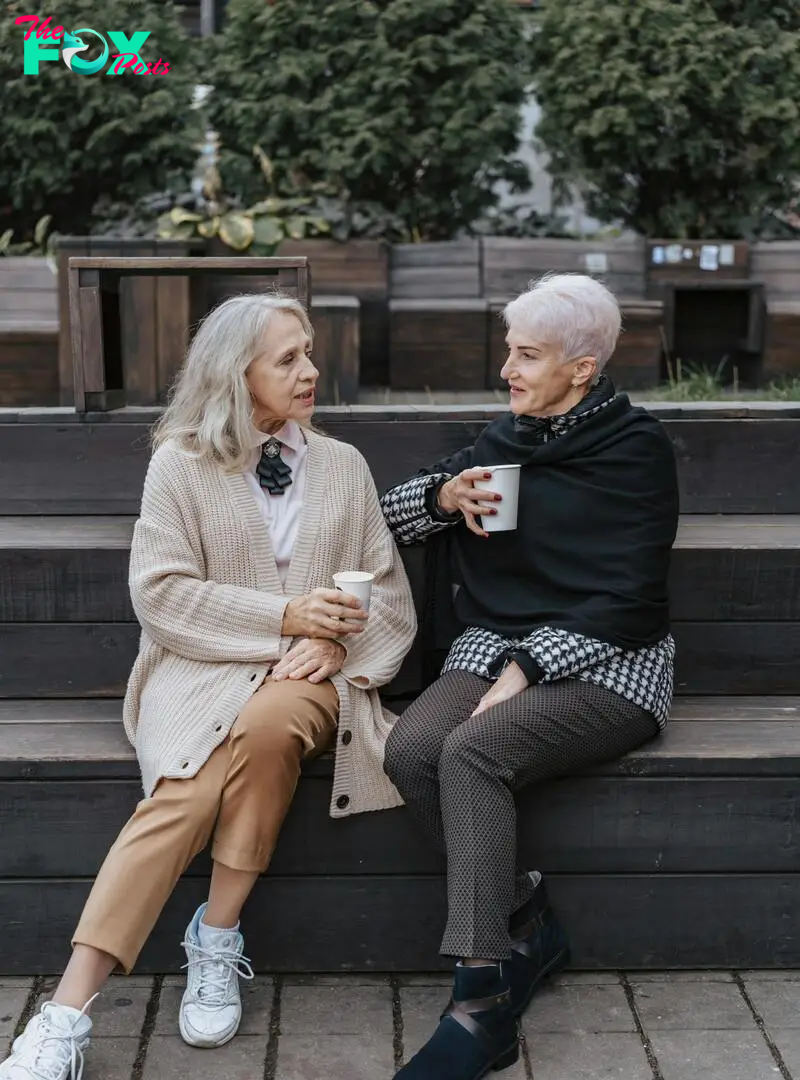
[(562, 656), (249, 662)]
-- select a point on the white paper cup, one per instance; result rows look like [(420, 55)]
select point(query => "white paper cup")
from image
[(505, 482), (356, 583)]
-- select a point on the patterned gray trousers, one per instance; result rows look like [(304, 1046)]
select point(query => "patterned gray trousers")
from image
[(458, 775)]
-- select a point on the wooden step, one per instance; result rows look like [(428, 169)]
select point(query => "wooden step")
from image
[(693, 836), (75, 569), (64, 596), (56, 463)]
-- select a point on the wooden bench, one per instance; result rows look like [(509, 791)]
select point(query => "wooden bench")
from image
[(28, 333), (652, 835)]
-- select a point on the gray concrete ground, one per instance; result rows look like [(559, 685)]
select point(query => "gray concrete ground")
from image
[(614, 1026)]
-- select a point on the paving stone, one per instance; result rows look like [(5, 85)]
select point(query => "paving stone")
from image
[(12, 1002), (641, 977), (9, 982), (788, 1044), (771, 976), (337, 1010), (777, 1001), (355, 979), (435, 978), (587, 978), (334, 1057), (564, 1008), (119, 1011), (256, 1007), (713, 1055), (169, 1056), (421, 1008), (111, 1059), (700, 1006), (597, 1056)]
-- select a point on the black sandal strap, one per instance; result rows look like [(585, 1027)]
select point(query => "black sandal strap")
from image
[(461, 1011)]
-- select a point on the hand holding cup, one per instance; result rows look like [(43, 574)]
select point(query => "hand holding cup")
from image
[(460, 493), (324, 613)]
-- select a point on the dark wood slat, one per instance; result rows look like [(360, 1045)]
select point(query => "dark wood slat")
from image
[(94, 659), (178, 265), (395, 923), (76, 569), (587, 825), (725, 466)]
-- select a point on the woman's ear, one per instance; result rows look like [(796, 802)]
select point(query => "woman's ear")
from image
[(585, 371)]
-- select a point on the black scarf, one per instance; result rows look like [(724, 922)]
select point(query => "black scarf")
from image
[(598, 513)]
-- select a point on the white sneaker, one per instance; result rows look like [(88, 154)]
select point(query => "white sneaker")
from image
[(51, 1047), (211, 1009)]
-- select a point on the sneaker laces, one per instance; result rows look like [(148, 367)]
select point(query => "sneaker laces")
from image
[(55, 1046), (217, 967)]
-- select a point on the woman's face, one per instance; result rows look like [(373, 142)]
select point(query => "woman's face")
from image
[(540, 382), (281, 377)]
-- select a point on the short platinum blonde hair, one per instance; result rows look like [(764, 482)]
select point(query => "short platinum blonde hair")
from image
[(574, 312), (210, 410)]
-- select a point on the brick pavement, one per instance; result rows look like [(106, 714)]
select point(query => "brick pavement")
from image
[(610, 1026)]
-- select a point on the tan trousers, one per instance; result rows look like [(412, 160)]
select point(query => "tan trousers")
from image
[(239, 798)]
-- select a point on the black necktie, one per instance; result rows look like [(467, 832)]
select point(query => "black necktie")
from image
[(273, 472)]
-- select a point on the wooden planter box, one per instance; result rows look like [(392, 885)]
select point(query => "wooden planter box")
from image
[(155, 316), (636, 363), (509, 264), (438, 344), (683, 262), (28, 332), (357, 268), (337, 342), (782, 346), (777, 265), (448, 270)]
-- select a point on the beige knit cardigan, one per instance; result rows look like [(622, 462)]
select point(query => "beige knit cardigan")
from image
[(206, 591)]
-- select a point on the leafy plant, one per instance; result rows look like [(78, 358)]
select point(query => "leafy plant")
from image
[(43, 243), (258, 229), (408, 105), (677, 118), (68, 139), (522, 222)]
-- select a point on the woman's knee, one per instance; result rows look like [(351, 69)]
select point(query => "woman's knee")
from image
[(410, 751)]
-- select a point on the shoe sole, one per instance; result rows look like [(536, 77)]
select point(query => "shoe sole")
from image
[(206, 1045), (552, 967)]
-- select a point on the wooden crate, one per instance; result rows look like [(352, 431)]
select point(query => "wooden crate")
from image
[(438, 344), (777, 265), (782, 346), (509, 264), (155, 316), (336, 353), (28, 332)]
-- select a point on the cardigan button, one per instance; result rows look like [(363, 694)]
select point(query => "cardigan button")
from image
[(254, 676), (343, 801), (218, 728), (185, 765), (347, 738)]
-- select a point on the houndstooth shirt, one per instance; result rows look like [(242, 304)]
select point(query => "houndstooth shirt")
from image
[(643, 676)]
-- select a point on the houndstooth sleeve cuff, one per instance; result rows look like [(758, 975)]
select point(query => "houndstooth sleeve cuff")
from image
[(558, 654), (408, 509)]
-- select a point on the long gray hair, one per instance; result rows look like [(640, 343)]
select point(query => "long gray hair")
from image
[(210, 411)]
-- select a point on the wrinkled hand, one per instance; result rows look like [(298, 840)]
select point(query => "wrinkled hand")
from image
[(317, 615), (315, 659), (461, 494), (510, 683)]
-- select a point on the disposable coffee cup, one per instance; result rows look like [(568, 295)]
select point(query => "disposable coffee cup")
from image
[(505, 482), (356, 583)]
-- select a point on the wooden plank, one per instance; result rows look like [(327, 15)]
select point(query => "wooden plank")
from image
[(61, 744), (586, 825), (75, 569), (28, 367), (182, 265), (447, 269), (510, 264), (138, 314), (438, 344), (722, 464), (390, 923), (94, 659), (68, 246), (337, 348)]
